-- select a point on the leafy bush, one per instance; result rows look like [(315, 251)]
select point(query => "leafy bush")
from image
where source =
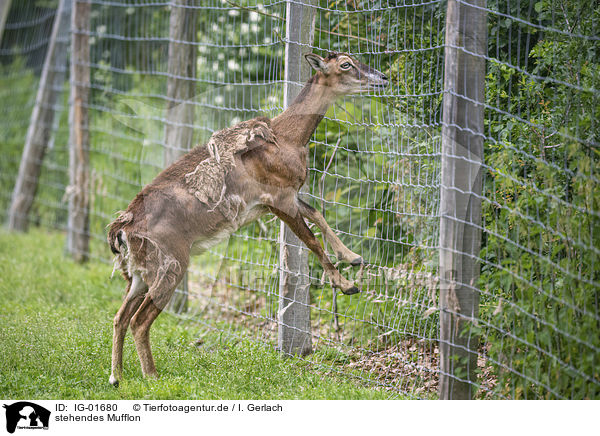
[(540, 274)]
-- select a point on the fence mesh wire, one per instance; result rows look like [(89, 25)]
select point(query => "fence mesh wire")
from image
[(375, 166), (539, 260), (23, 47)]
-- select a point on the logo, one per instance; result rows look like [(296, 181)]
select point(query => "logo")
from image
[(26, 415)]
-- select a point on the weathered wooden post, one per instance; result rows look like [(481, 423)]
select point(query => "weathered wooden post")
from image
[(4, 8), (42, 119), (460, 208), (294, 334), (79, 134), (181, 81), (181, 86)]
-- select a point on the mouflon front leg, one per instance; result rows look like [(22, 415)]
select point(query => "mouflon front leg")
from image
[(299, 227), (342, 252)]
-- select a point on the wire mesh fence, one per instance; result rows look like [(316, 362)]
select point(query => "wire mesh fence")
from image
[(24, 44), (375, 173), (539, 284)]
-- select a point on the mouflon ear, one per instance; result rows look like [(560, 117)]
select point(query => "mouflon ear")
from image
[(316, 61)]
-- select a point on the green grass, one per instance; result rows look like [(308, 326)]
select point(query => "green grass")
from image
[(56, 330)]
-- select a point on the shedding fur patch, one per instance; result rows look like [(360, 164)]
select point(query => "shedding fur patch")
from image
[(156, 267), (122, 257), (167, 267), (123, 218), (117, 238), (207, 181), (136, 252)]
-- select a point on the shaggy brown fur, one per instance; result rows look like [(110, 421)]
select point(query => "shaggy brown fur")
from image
[(207, 181)]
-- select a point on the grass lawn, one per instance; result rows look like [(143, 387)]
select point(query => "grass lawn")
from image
[(56, 333)]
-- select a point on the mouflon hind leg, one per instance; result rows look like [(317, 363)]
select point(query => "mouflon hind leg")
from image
[(140, 327), (132, 301), (156, 299)]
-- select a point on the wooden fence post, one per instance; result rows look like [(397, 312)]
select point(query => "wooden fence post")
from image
[(79, 135), (294, 334), (181, 86), (42, 119), (4, 9), (460, 206)]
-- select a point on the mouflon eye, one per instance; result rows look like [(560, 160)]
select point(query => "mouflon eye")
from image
[(345, 65)]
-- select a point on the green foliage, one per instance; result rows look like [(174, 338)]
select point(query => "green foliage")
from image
[(19, 98), (540, 270)]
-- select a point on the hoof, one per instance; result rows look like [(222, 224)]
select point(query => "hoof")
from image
[(113, 381), (353, 290), (358, 261)]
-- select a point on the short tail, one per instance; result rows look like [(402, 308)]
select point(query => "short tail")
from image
[(116, 234)]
